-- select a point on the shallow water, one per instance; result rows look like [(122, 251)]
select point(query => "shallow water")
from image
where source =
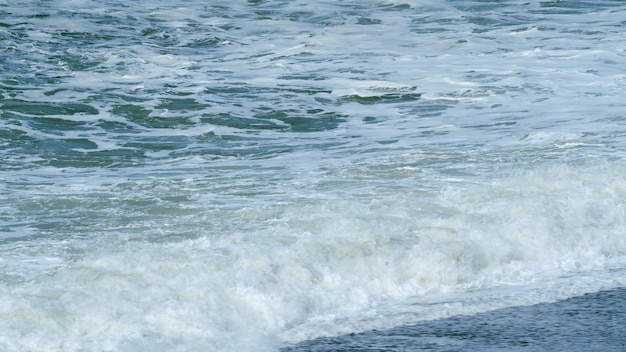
[(250, 175), (594, 321)]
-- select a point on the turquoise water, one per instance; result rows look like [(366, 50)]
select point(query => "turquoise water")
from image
[(251, 175)]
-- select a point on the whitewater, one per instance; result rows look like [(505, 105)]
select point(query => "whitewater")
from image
[(250, 175)]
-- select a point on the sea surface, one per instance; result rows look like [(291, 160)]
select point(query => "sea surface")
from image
[(263, 175), (592, 322)]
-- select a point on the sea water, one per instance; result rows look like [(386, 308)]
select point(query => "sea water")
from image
[(592, 322), (248, 175)]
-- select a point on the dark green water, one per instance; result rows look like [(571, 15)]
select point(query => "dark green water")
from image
[(193, 175)]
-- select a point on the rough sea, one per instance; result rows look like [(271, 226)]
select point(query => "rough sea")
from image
[(345, 175)]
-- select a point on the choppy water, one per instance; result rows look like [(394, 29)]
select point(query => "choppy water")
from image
[(244, 175)]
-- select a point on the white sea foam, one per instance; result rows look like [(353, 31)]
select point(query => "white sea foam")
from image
[(237, 176), (289, 272)]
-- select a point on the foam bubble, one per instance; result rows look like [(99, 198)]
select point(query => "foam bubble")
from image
[(313, 267), (248, 174)]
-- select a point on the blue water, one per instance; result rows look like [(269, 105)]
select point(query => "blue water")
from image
[(249, 175), (593, 321)]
